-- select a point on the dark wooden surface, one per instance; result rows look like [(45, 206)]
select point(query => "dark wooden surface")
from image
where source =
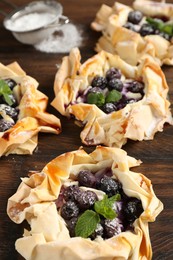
[(157, 155)]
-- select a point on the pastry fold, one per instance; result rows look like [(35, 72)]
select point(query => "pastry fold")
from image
[(136, 121), (22, 138), (48, 237), (128, 44)]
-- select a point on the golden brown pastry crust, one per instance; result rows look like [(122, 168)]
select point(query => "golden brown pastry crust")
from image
[(137, 121), (151, 8), (22, 138), (49, 237), (129, 45)]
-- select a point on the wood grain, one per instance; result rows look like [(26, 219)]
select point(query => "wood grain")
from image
[(157, 155)]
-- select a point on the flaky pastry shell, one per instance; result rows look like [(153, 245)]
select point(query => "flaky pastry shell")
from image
[(130, 45), (49, 238), (22, 138), (136, 121)]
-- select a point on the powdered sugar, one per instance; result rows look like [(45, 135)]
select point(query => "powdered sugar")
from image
[(61, 40), (30, 21)]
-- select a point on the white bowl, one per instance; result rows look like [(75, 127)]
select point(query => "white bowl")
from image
[(35, 21)]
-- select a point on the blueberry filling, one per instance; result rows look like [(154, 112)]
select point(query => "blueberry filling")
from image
[(150, 26), (111, 93), (87, 215), (8, 105)]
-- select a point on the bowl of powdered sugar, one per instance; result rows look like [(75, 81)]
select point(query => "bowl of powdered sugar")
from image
[(35, 21)]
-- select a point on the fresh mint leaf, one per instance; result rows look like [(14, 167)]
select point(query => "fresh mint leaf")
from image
[(114, 198), (104, 206), (168, 28), (113, 96), (5, 91), (87, 223), (155, 22), (7, 99), (96, 98), (161, 26)]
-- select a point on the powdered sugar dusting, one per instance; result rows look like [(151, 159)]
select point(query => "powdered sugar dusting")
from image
[(30, 21), (61, 40)]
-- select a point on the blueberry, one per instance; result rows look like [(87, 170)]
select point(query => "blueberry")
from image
[(101, 173), (5, 125), (99, 81), (71, 193), (109, 186), (95, 90), (130, 26), (112, 227), (113, 73), (69, 210), (115, 84), (147, 29), (109, 108), (98, 231), (11, 83), (133, 210), (71, 226), (87, 199), (136, 87), (10, 111), (86, 178), (135, 17)]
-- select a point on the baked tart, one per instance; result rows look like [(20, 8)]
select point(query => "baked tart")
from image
[(134, 33), (111, 99), (86, 206), (22, 112)]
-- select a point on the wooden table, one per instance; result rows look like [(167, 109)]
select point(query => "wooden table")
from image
[(157, 155)]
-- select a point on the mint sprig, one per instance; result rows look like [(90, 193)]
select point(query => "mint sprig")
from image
[(161, 26), (5, 91), (87, 223), (168, 28), (96, 98), (113, 96), (104, 206)]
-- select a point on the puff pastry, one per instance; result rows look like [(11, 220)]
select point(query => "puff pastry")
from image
[(136, 121), (48, 238), (129, 44), (21, 137)]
